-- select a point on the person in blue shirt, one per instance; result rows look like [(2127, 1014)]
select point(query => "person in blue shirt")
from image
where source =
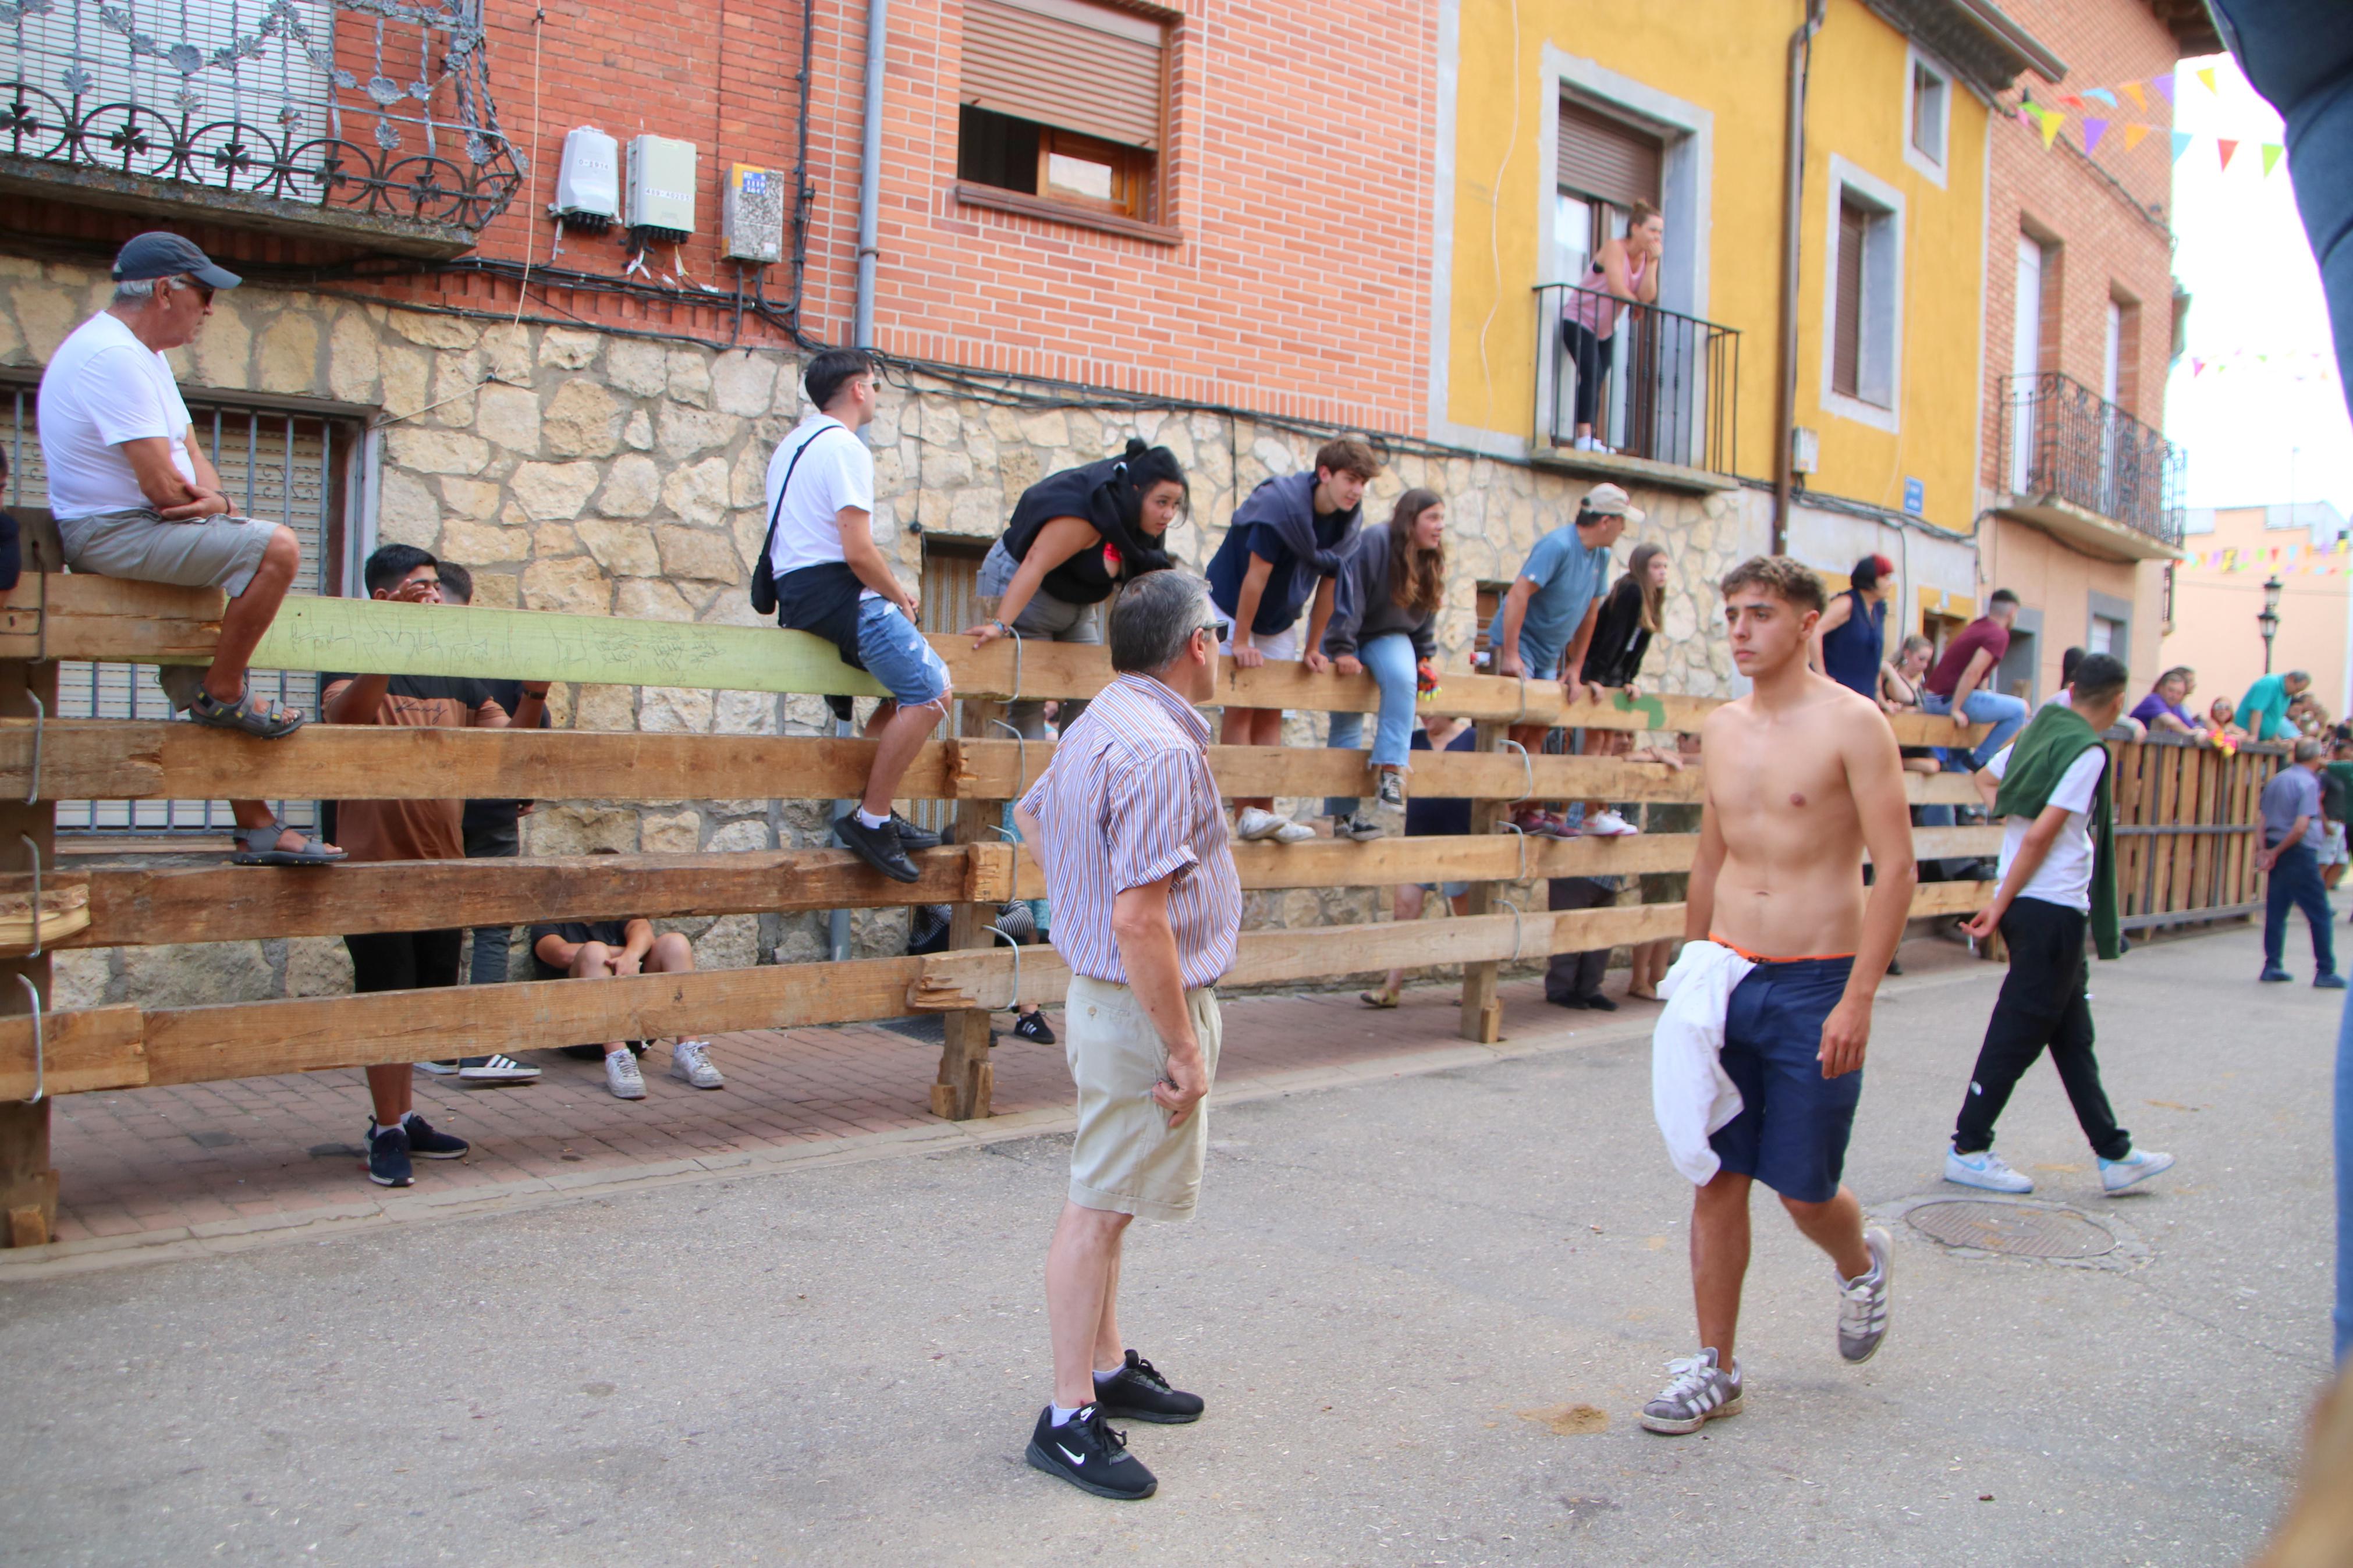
[(1283, 549), (2263, 711), (1545, 624)]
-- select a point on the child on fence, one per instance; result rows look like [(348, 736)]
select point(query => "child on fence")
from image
[(1384, 619)]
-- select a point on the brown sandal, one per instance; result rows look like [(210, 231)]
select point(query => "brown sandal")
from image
[(1381, 999)]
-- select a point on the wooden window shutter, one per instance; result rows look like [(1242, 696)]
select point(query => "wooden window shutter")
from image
[(1846, 334), (1066, 63), (1605, 158)]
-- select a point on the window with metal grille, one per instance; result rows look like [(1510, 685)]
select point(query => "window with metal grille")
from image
[(1064, 100), (283, 463)]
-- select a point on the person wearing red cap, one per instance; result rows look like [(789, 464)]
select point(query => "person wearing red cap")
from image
[(1851, 640)]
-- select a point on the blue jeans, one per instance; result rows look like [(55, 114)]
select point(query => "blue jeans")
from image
[(2006, 714), (2345, 1188), (897, 656), (2295, 880), (1391, 661)]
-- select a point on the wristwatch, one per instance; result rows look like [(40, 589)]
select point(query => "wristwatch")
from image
[(1002, 629)]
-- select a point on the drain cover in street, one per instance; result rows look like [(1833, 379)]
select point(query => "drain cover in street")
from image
[(2014, 1230)]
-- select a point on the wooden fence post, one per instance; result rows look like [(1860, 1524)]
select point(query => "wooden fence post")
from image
[(1483, 1013), (967, 1080), (28, 1184)]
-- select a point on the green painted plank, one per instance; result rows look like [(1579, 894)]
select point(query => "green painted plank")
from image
[(378, 637)]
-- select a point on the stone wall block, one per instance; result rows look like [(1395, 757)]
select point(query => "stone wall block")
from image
[(685, 431), (638, 433), (582, 420), (406, 373), (318, 966), (623, 549), (747, 480), (732, 943), (637, 366), (195, 974), (744, 383), (673, 832), (289, 358), (45, 314), (745, 714), (406, 511), (472, 544), (650, 599), (698, 493), (509, 415), (673, 710), (435, 331), (573, 586), (608, 707), (351, 358), (80, 977), (429, 451), (575, 828), (702, 554), (498, 590), (566, 348), (737, 837), (471, 497), (631, 487), (551, 492), (688, 378)]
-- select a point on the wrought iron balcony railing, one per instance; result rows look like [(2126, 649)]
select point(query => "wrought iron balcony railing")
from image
[(2061, 441), (365, 115), (1659, 385)]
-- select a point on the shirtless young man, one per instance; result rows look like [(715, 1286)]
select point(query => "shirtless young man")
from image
[(1801, 775)]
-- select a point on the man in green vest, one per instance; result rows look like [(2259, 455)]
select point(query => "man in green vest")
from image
[(2058, 878)]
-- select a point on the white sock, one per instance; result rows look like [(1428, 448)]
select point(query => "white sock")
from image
[(867, 819), (1062, 1417), (1104, 1377)]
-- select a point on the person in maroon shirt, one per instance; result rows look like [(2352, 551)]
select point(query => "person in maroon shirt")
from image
[(1961, 685)]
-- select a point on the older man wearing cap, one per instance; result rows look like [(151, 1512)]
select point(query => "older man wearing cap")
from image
[(134, 496), (1544, 625)]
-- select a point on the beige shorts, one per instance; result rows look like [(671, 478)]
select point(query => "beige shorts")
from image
[(1279, 646), (210, 552), (1126, 1158)]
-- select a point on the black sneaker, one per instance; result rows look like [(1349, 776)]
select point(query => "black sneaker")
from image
[(387, 1156), (427, 1144), (878, 846), (1598, 1003), (1032, 1026), (1391, 792), (912, 838), (1138, 1392), (1567, 1000), (1090, 1456)]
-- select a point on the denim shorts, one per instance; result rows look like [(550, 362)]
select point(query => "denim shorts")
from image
[(895, 654), (1792, 1130)]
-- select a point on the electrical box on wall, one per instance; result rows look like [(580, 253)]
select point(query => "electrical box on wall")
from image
[(1805, 451), (754, 218), (662, 187), (588, 181)]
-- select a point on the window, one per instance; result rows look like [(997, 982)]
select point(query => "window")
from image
[(1846, 342), (1063, 101), (1927, 115), (1490, 600), (2107, 636), (1605, 159), (1863, 300)]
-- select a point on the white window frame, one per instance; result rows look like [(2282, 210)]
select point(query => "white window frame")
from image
[(1929, 165), (1880, 362)]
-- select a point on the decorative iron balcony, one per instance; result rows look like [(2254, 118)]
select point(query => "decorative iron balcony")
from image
[(368, 120), (2064, 446), (1663, 386)]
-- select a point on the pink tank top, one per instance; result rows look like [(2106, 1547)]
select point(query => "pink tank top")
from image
[(1595, 311)]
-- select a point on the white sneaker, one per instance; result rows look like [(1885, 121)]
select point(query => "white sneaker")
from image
[(1863, 1301), (690, 1062), (495, 1068), (1607, 823), (1291, 832), (2140, 1166), (1698, 1391), (1984, 1168), (622, 1077), (1253, 822)]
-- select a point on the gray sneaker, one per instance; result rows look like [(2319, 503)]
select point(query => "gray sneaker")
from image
[(1698, 1391), (1863, 1301), (1356, 826), (1392, 790), (622, 1077), (690, 1062)]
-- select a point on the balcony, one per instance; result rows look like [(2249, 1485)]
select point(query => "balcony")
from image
[(2083, 470), (365, 122), (1664, 390)]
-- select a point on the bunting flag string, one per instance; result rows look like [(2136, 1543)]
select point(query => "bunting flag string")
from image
[(2306, 364), (2048, 122)]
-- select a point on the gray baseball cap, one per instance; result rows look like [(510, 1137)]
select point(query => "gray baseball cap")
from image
[(158, 254)]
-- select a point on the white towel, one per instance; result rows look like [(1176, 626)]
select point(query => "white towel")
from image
[(1690, 1093)]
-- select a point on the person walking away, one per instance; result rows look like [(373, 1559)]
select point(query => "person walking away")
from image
[(831, 580), (1545, 624), (2292, 841), (408, 830), (1130, 831), (1958, 685), (1391, 587), (1074, 538), (1283, 549), (1801, 778), (134, 496), (1625, 271), (1851, 644), (1428, 816), (2051, 789), (2263, 711)]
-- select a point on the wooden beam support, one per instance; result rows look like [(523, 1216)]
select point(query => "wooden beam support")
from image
[(1482, 1010), (28, 1183)]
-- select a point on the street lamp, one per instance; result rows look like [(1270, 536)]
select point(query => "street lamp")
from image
[(2269, 620)]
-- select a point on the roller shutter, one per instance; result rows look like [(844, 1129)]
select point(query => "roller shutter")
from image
[(1604, 158), (1078, 67)]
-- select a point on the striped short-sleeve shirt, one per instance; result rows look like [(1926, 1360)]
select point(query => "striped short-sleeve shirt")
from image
[(1128, 800)]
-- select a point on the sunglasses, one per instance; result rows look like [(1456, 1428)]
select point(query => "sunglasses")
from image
[(1216, 631), (202, 291)]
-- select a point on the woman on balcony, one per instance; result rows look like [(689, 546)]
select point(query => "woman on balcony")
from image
[(1625, 271)]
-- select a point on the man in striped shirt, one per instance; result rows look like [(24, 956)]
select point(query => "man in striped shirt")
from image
[(1128, 826)]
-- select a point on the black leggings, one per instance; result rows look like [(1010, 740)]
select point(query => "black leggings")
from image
[(403, 960), (1591, 356), (2042, 1002)]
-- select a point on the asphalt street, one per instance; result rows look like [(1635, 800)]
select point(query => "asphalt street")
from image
[(1424, 1313)]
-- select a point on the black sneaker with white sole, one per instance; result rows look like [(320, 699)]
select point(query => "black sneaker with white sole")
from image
[(1032, 1026), (1090, 1456), (878, 846), (427, 1144), (1137, 1391), (387, 1156), (1392, 789)]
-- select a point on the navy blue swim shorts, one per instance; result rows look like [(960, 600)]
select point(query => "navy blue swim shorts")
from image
[(1792, 1130)]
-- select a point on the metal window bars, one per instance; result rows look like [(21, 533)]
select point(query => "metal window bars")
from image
[(2059, 440)]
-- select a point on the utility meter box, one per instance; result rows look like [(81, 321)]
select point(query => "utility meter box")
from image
[(1805, 451), (754, 213), (661, 186), (588, 182)]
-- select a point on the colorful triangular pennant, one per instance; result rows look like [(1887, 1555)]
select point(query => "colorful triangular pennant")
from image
[(2093, 131), (2132, 90), (2273, 152), (2206, 79), (2182, 139), (2134, 133), (2102, 95), (2164, 85), (2052, 121), (2224, 145)]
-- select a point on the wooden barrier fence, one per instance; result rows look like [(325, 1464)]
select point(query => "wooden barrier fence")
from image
[(2186, 830)]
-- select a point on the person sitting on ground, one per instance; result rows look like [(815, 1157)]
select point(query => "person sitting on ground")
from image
[(408, 830), (2162, 709), (1545, 624), (1391, 588), (1428, 816), (136, 496), (1285, 546), (831, 579), (1630, 614), (2262, 713), (2292, 840), (1074, 538), (595, 949), (1850, 642), (1959, 683)]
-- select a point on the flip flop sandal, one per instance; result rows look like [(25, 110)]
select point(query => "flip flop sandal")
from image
[(259, 846), (1380, 999), (250, 715)]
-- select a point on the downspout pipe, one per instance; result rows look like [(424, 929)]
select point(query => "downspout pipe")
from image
[(869, 172), (1793, 197)]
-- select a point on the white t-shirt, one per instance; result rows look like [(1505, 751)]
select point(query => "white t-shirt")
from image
[(837, 472), (2063, 698), (105, 388), (2065, 875)]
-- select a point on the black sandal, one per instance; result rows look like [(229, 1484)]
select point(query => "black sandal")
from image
[(248, 715), (259, 846)]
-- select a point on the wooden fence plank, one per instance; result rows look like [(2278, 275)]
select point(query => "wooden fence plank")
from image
[(97, 1047)]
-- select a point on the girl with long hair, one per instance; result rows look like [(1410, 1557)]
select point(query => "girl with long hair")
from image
[(1384, 620)]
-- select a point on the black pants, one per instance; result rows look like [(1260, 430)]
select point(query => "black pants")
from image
[(2295, 883), (1578, 974), (495, 841), (2042, 1003), (403, 960), (1590, 355)]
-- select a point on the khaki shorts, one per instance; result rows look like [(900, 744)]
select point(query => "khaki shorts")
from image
[(210, 552), (1126, 1158)]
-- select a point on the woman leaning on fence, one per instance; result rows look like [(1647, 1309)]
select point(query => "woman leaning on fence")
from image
[(1385, 622)]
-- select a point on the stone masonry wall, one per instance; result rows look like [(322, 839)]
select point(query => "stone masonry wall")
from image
[(594, 473)]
